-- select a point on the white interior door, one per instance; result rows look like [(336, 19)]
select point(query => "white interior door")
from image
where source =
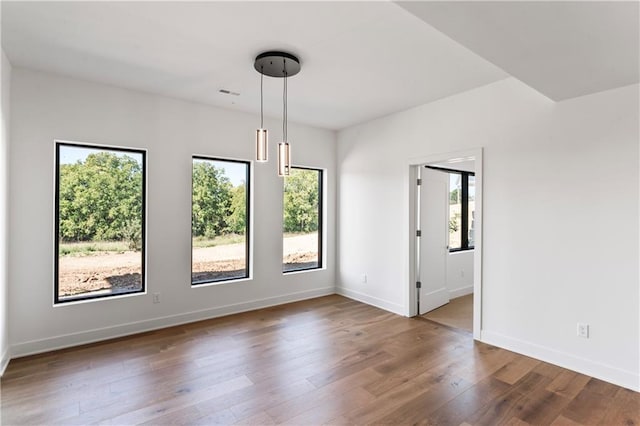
[(433, 240)]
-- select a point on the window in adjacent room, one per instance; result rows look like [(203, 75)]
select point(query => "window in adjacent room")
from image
[(219, 220), (461, 210), (99, 222), (302, 219)]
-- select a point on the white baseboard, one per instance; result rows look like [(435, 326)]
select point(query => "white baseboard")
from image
[(4, 361), (459, 292), (370, 300), (95, 335), (608, 373)]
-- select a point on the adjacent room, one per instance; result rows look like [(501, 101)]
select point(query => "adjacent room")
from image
[(316, 212)]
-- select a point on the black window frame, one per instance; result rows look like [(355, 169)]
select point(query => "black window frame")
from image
[(464, 204), (247, 216), (320, 220), (143, 270)]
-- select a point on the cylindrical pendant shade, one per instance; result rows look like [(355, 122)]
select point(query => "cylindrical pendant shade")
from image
[(284, 159), (262, 146)]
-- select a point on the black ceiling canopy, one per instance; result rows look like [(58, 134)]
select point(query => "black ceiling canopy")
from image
[(277, 64)]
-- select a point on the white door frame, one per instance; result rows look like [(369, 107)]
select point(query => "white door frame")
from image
[(414, 165)]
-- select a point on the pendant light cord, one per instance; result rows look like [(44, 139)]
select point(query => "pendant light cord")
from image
[(284, 102), (261, 96)]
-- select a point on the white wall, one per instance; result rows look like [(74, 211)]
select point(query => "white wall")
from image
[(560, 217), (5, 89), (460, 273), (47, 107)]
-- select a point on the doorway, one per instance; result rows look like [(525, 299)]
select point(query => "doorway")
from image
[(446, 251)]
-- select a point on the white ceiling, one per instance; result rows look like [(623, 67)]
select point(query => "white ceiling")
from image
[(562, 49), (360, 60)]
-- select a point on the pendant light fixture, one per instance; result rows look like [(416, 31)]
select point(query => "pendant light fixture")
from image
[(281, 65), (284, 150), (262, 141)]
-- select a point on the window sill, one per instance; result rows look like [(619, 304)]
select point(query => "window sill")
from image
[(216, 283), (98, 299), (461, 251), (300, 271)]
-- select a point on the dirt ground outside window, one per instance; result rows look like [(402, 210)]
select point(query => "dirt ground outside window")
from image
[(115, 273)]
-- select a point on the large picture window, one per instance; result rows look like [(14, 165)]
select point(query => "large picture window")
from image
[(302, 207), (219, 220), (99, 222)]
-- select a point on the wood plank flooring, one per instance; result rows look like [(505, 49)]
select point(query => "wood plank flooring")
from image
[(329, 360)]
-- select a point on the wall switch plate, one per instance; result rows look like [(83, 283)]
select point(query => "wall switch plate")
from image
[(156, 297), (583, 330), (363, 278)]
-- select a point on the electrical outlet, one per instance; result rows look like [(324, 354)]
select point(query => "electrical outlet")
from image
[(363, 278), (156, 297), (583, 330)]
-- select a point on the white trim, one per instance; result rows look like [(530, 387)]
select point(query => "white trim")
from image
[(412, 164), (302, 271), (99, 334), (608, 373), (457, 252), (325, 217), (145, 219), (70, 302), (459, 292), (4, 361), (370, 300), (217, 283), (249, 242)]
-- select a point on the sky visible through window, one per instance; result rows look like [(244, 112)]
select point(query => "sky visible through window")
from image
[(236, 172), (73, 154)]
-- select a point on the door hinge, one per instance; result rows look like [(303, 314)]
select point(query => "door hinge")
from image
[(418, 233), (418, 284), (419, 182)]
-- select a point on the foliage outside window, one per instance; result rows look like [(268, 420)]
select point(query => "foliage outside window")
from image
[(99, 222), (471, 203), (455, 211), (302, 211), (219, 220), (461, 211)]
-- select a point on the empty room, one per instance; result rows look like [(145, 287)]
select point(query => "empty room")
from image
[(320, 212)]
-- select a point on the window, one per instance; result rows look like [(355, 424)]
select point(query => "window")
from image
[(219, 220), (471, 210), (99, 222), (461, 210), (302, 210)]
